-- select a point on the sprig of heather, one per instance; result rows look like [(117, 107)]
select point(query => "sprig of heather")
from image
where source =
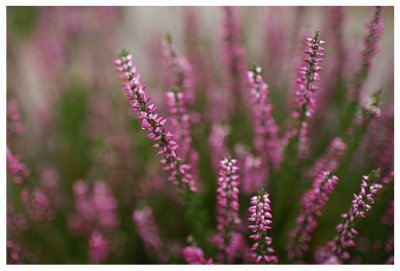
[(260, 219), (266, 141), (329, 161), (359, 206), (312, 203), (148, 231), (305, 98), (227, 206), (153, 124)]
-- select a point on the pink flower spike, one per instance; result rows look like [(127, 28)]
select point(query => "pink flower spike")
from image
[(347, 233), (262, 249), (151, 122)]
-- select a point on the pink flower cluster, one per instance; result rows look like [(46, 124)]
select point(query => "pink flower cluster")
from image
[(360, 205), (37, 204), (16, 167), (329, 161), (305, 90), (15, 253), (153, 123), (227, 203), (96, 208), (312, 203), (195, 255), (266, 140), (261, 222), (148, 231), (98, 248)]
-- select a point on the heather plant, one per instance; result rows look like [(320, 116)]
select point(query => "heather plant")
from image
[(249, 141)]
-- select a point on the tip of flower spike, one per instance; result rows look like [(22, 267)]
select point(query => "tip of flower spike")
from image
[(123, 53), (255, 68), (168, 38), (316, 35)]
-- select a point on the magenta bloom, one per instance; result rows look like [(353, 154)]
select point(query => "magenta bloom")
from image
[(305, 98), (260, 220), (153, 124), (359, 206), (312, 203), (227, 203), (267, 142)]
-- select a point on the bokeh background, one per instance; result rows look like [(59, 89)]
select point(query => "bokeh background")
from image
[(79, 132)]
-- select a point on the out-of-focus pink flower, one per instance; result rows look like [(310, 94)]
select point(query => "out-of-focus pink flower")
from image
[(37, 204), (233, 53), (98, 248), (95, 208), (329, 160), (14, 253), (195, 255), (253, 170), (217, 142), (312, 203), (148, 231), (373, 31), (16, 167)]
